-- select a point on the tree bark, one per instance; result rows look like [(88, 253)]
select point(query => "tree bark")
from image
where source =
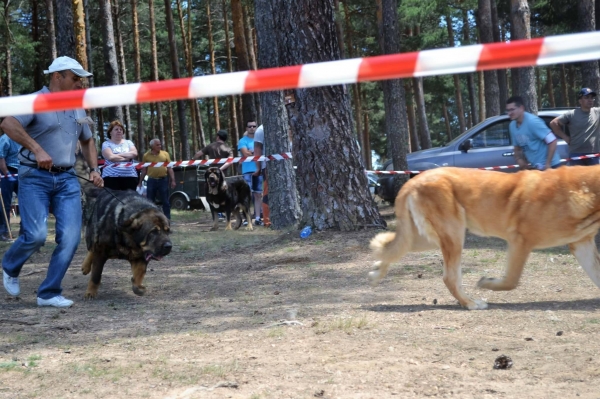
[(65, 34), (154, 70), (231, 99), (111, 68), (35, 36), (80, 31), (523, 78), (447, 120), (243, 59), (140, 145), (283, 194), (213, 67), (396, 119), (492, 90), (7, 48), (412, 118), (50, 28), (502, 78), (183, 134), (187, 52), (590, 72), (366, 133), (460, 111), (122, 65), (481, 85), (332, 183), (564, 90), (550, 87), (424, 136), (474, 115)]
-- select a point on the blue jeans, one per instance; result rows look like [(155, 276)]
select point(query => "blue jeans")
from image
[(255, 182), (160, 187), (8, 188), (39, 190)]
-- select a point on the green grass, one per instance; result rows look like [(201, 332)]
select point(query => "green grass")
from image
[(348, 325), (8, 366)]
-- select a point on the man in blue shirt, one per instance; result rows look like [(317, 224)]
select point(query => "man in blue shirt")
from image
[(246, 147), (535, 144), (9, 167)]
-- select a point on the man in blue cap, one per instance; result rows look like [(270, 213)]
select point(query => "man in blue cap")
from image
[(584, 128)]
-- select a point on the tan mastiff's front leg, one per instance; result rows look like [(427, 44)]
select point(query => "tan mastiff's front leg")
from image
[(587, 255), (517, 256)]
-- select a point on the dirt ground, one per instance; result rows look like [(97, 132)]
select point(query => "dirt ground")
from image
[(266, 314)]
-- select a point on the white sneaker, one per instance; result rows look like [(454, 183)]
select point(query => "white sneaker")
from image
[(11, 284), (58, 302)]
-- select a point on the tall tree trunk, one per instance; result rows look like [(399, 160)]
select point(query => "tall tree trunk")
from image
[(141, 145), (122, 65), (187, 53), (550, 87), (65, 35), (524, 84), (339, 30), (481, 85), (35, 36), (198, 134), (7, 48), (331, 179), (356, 97), (447, 120), (154, 70), (283, 195), (183, 134), (80, 32), (111, 68), (171, 130), (235, 134), (502, 79), (474, 116), (564, 90), (457, 87), (88, 42), (366, 133), (587, 23), (243, 59), (396, 119), (412, 118), (424, 136), (50, 28), (213, 67), (492, 90), (539, 86)]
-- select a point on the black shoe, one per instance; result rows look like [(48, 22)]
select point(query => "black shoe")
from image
[(258, 222)]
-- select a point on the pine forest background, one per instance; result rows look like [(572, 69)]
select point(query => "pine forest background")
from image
[(123, 41)]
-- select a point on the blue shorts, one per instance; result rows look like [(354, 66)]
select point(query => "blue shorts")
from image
[(255, 182)]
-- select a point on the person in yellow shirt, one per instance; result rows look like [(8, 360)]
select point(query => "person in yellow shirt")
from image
[(158, 177)]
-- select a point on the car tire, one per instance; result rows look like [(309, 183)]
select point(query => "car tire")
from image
[(178, 201)]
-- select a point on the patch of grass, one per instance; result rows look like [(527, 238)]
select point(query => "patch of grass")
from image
[(220, 370), (90, 370), (276, 332), (593, 321), (346, 325), (32, 360), (7, 366)]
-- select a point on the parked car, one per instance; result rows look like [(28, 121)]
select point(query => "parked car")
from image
[(485, 144)]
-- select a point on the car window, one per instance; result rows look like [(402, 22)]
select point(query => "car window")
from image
[(495, 135)]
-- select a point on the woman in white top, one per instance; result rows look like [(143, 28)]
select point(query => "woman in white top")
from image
[(119, 150)]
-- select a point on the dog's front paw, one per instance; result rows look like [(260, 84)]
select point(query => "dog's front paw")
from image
[(476, 304), (375, 275), (489, 283), (86, 269)]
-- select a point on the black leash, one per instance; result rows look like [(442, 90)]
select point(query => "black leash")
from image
[(105, 188)]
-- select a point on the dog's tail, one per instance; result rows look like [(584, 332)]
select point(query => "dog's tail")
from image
[(390, 247)]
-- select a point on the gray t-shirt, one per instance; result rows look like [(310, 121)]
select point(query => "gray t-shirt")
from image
[(584, 128), (56, 132)]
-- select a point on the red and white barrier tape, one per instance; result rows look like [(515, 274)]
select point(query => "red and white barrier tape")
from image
[(288, 155), (518, 53), (414, 172), (139, 165)]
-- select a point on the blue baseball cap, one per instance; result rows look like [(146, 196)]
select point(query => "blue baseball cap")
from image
[(586, 91)]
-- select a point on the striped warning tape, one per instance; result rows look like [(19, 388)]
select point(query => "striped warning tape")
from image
[(518, 53), (414, 172)]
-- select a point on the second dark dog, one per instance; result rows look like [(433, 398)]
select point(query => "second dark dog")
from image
[(228, 197)]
